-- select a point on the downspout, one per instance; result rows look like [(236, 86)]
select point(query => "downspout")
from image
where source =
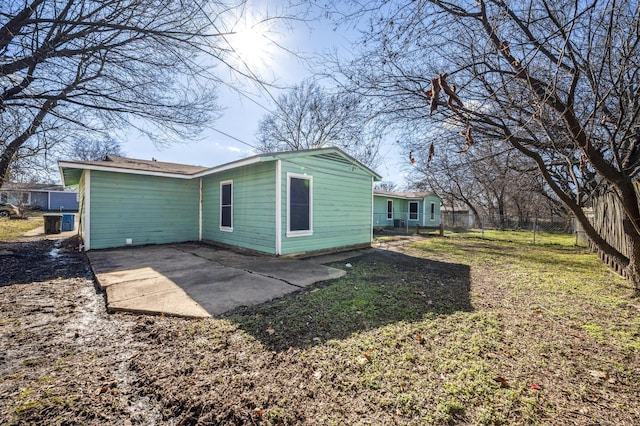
[(278, 207), (200, 213)]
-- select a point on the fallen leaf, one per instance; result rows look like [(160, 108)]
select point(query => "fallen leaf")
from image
[(270, 330), (259, 412), (535, 386), (367, 356), (503, 382), (599, 374), (420, 338)]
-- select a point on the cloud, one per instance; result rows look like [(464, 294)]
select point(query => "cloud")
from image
[(234, 149)]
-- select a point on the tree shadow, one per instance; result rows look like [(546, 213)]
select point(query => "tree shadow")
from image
[(380, 288)]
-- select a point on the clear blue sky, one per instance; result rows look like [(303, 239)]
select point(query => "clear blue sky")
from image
[(241, 116)]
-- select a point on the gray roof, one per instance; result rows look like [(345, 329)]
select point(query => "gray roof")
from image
[(72, 170), (146, 165), (403, 194), (27, 187)]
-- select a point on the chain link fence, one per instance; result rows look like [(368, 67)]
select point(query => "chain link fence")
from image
[(533, 229)]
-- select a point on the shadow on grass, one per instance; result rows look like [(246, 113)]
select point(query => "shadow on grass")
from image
[(380, 288)]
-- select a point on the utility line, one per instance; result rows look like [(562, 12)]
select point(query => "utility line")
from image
[(255, 78)]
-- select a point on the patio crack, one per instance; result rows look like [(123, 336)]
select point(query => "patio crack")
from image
[(241, 269), (274, 278)]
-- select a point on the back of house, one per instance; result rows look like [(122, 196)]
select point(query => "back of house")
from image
[(281, 204)]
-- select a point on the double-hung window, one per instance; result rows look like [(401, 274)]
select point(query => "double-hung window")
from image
[(299, 205), (389, 209), (413, 210), (226, 206)]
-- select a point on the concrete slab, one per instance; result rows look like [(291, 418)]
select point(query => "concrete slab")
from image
[(199, 279)]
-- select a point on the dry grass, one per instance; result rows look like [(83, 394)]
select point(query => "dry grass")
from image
[(12, 229), (447, 331)]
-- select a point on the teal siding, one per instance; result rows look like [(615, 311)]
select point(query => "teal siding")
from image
[(380, 211), (341, 204), (147, 209), (436, 219), (253, 207), (401, 211)]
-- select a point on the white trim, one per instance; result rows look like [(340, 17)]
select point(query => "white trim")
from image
[(226, 228), (87, 210), (63, 164), (224, 167), (278, 207), (306, 232), (49, 200), (372, 206), (432, 212), (424, 211), (387, 208), (200, 213)]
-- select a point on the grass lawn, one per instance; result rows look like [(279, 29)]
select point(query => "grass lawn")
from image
[(454, 330), (10, 229), (451, 330)]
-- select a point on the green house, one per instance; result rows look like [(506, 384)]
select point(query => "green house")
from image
[(405, 209), (282, 203)]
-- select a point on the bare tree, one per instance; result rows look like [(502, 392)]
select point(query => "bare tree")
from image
[(308, 117), (72, 68), (95, 149), (557, 81), (386, 186)]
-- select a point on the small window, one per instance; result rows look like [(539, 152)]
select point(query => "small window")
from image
[(389, 209), (299, 205), (413, 210), (433, 211), (226, 206)]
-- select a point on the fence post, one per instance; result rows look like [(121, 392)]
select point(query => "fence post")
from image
[(535, 226)]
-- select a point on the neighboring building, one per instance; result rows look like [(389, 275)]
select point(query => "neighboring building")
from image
[(405, 209), (458, 217), (39, 196), (282, 203)]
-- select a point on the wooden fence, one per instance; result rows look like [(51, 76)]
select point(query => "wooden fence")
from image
[(608, 214)]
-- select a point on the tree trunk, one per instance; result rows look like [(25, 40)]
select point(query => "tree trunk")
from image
[(633, 245), (5, 162)]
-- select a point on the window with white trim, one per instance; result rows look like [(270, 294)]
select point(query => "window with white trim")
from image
[(413, 210), (433, 211), (389, 209), (299, 205), (226, 205)]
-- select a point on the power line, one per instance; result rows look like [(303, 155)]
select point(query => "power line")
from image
[(255, 78), (233, 137)]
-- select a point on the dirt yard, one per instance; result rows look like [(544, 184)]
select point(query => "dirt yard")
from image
[(417, 337)]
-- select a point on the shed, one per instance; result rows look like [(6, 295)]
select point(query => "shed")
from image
[(405, 209), (280, 203)]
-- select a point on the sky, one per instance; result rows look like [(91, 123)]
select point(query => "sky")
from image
[(231, 136)]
